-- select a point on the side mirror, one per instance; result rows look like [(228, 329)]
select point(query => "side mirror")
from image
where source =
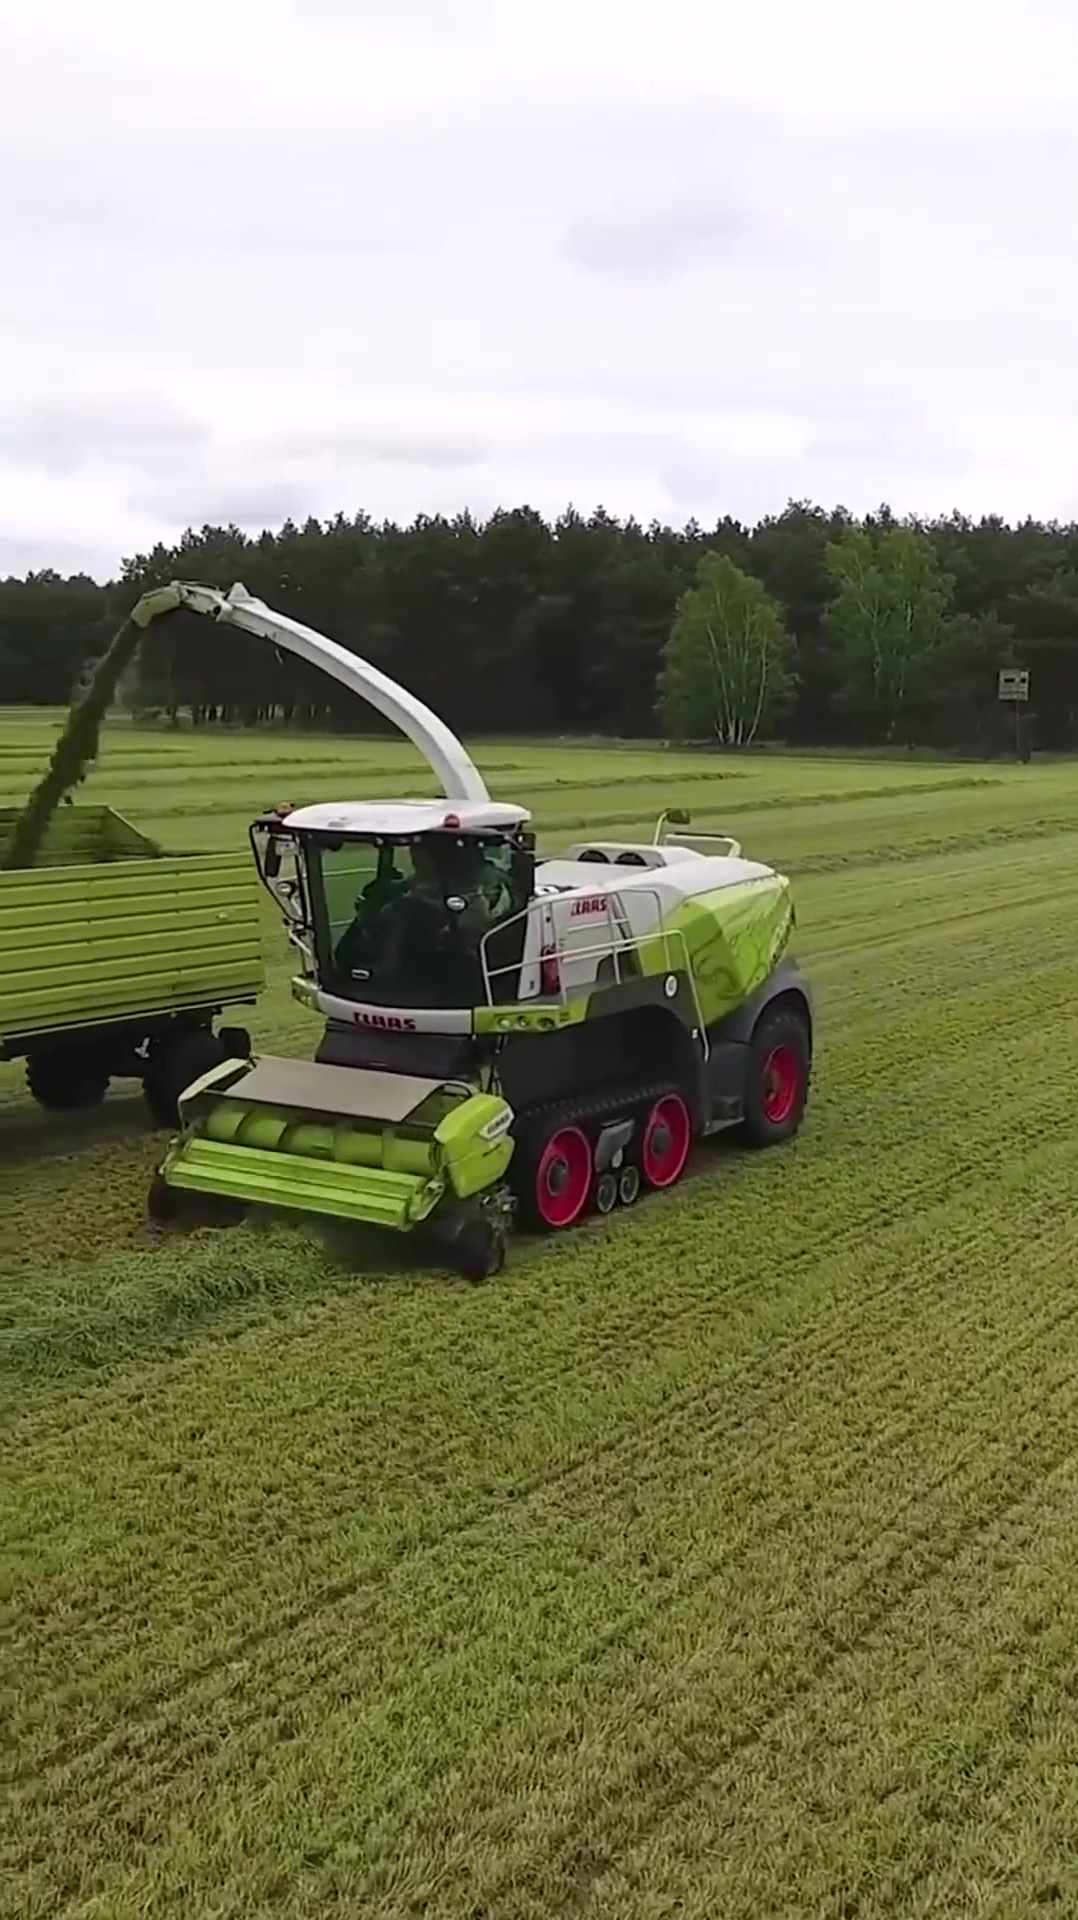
[(679, 816)]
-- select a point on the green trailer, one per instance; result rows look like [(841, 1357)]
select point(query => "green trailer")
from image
[(117, 961)]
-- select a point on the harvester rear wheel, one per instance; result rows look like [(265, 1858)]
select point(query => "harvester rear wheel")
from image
[(65, 1079), (553, 1170), (667, 1141), (777, 1079), (172, 1066)]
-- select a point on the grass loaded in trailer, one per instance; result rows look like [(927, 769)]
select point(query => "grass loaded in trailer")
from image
[(117, 960)]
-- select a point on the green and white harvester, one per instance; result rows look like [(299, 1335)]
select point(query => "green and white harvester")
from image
[(504, 1037)]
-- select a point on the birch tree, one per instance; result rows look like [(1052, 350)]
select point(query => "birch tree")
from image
[(727, 666)]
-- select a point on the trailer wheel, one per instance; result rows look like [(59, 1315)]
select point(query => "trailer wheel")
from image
[(777, 1078), (65, 1079), (173, 1064), (236, 1042)]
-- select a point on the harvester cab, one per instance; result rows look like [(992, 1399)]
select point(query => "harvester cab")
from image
[(504, 1036), (390, 905)]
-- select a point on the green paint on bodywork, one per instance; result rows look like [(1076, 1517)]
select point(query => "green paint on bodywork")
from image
[(729, 941), (456, 1143), (106, 928), (473, 1163), (289, 1182), (535, 1016)]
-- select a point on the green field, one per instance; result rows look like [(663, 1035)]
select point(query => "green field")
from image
[(721, 1561)]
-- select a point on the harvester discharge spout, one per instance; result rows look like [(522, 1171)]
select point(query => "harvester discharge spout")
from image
[(443, 752)]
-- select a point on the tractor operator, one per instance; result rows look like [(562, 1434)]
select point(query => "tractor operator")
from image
[(429, 924)]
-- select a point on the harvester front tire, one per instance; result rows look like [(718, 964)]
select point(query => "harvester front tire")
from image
[(166, 1208), (66, 1079), (777, 1078), (172, 1067), (480, 1250), (161, 1207)]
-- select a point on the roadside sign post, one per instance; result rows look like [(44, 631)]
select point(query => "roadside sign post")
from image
[(1014, 687)]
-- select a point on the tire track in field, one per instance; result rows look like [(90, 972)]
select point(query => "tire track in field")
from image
[(892, 1893), (29, 1138), (589, 1476), (883, 1892), (602, 1473), (663, 1782), (169, 1764), (856, 1560)]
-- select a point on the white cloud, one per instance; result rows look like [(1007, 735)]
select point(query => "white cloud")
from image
[(319, 254)]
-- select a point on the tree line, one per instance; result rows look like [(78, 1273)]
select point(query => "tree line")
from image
[(812, 626)]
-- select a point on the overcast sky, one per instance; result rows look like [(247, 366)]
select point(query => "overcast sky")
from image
[(678, 257)]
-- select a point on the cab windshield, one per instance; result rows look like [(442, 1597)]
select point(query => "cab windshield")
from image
[(402, 919)]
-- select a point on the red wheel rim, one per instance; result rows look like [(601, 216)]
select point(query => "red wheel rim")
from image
[(667, 1139), (782, 1080), (563, 1177)]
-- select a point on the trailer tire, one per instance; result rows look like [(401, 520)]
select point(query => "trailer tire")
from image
[(777, 1077), (236, 1042), (173, 1065), (66, 1079)]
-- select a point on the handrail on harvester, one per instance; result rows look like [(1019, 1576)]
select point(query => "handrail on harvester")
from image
[(443, 752)]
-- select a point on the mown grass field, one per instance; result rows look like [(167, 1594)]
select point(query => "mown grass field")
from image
[(721, 1561)]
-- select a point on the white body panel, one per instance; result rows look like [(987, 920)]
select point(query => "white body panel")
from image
[(674, 881), (406, 816), (378, 1019), (586, 913)]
